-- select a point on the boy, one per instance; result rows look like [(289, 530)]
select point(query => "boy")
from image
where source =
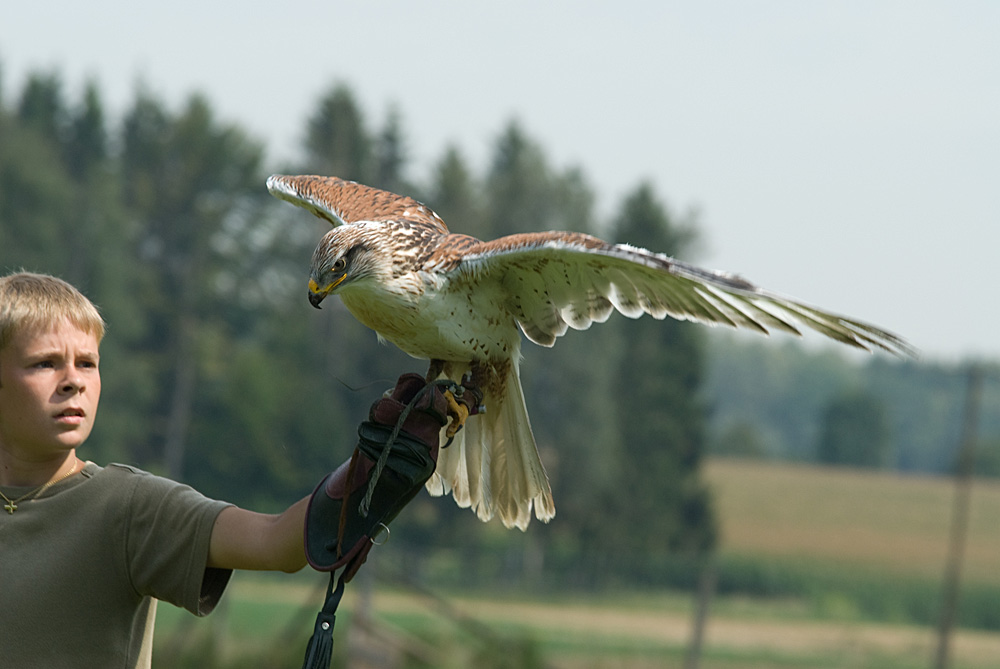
[(85, 551)]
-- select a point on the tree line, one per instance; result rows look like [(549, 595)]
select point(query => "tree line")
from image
[(782, 401)]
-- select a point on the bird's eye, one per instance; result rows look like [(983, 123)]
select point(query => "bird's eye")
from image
[(340, 265)]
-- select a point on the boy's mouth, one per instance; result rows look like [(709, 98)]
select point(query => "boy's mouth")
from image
[(72, 415)]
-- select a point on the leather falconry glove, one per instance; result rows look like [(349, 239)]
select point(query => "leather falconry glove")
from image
[(349, 509)]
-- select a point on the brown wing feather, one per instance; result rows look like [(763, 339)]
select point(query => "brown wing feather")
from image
[(343, 202)]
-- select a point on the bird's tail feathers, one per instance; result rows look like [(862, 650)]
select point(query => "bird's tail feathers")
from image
[(462, 471), (493, 464), (463, 466), (517, 476)]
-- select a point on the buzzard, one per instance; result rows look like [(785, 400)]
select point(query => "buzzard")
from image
[(459, 302)]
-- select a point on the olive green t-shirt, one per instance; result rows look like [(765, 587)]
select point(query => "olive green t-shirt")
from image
[(81, 563)]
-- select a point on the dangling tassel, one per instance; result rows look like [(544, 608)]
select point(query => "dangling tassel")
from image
[(320, 649)]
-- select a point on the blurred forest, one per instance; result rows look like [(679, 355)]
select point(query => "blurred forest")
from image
[(218, 372)]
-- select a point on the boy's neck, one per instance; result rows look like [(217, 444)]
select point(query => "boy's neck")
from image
[(15, 472)]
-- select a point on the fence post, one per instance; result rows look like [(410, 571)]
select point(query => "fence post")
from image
[(703, 597), (960, 517)]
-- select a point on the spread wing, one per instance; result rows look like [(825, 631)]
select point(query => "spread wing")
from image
[(558, 280), (343, 202)]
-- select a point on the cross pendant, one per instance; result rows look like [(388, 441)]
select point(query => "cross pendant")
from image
[(10, 507)]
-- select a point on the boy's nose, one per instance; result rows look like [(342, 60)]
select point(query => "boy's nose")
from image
[(73, 383)]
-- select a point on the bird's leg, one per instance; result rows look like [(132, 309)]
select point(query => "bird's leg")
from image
[(467, 402), (434, 370), (458, 412), (479, 374)]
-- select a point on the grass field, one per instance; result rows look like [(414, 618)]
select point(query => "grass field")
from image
[(266, 625), (881, 527)]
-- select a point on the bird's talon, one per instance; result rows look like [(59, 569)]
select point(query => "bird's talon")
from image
[(458, 412)]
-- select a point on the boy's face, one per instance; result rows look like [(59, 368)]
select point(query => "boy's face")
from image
[(49, 389)]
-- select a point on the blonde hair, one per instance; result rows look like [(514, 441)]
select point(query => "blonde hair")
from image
[(32, 302)]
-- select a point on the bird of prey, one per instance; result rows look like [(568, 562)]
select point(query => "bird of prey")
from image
[(458, 302)]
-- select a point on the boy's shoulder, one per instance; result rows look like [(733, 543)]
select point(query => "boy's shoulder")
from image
[(126, 469), (128, 479), (113, 470)]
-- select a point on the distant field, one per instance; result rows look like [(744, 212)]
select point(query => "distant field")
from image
[(869, 519)]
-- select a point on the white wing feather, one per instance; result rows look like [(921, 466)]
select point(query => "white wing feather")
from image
[(559, 280)]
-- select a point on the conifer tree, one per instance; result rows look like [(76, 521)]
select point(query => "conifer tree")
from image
[(661, 504)]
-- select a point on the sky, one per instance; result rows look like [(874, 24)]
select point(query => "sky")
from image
[(845, 153)]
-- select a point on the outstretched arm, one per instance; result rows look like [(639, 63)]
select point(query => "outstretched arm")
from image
[(244, 539)]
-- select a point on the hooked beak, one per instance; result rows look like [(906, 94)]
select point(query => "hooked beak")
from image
[(317, 294)]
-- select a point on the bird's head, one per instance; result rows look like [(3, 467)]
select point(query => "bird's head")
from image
[(342, 258)]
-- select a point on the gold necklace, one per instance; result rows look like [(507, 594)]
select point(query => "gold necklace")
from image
[(11, 505)]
